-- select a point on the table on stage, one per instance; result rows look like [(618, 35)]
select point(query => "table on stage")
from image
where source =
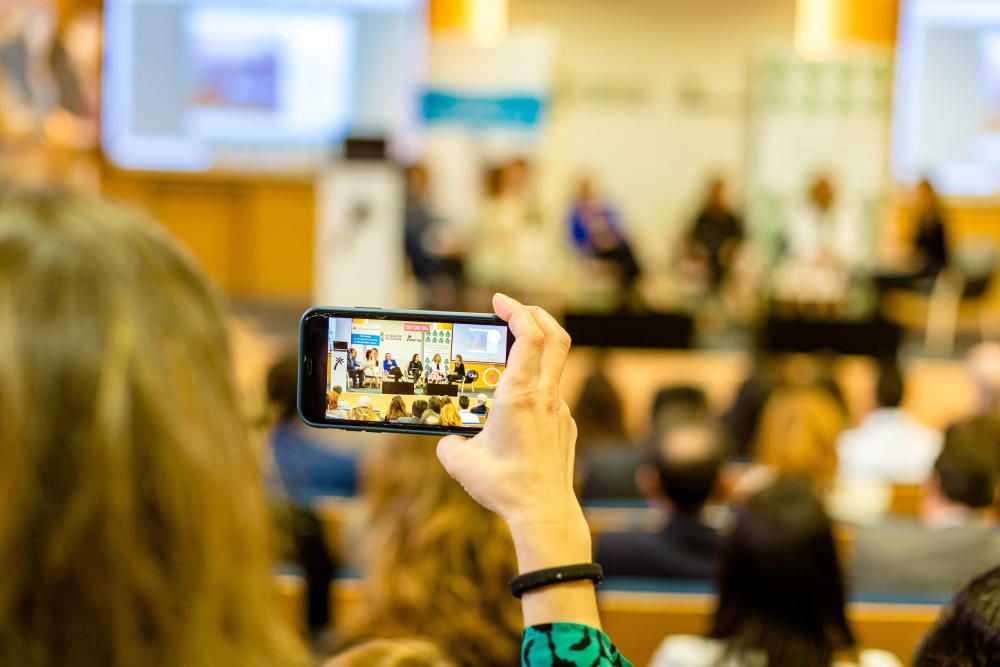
[(400, 388), (435, 389)]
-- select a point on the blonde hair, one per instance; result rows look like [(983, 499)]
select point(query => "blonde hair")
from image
[(332, 400), (133, 526), (797, 435), (363, 413), (438, 563), (392, 653), (449, 415)]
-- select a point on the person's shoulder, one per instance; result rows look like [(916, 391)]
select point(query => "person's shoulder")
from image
[(688, 651)]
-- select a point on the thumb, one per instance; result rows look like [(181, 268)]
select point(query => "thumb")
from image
[(453, 453)]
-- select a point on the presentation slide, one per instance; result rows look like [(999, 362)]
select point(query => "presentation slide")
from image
[(271, 85), (947, 95)]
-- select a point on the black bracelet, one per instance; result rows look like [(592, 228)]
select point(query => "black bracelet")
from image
[(530, 581)]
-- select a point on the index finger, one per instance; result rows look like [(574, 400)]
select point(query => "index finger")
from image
[(556, 349), (525, 360)]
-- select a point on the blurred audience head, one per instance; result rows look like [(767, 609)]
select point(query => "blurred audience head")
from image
[(332, 402), (397, 409), (438, 563), (434, 403), (392, 653), (481, 399), (821, 193), (678, 404), (890, 388), (599, 413), (984, 366), (684, 467), (797, 435), (968, 633), (282, 387), (965, 472), (419, 406), (133, 527), (364, 401), (463, 402), (449, 416), (781, 589)]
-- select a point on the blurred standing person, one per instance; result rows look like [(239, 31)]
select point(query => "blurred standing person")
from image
[(596, 230), (434, 250), (715, 234)]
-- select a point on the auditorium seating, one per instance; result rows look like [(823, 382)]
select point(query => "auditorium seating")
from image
[(638, 614)]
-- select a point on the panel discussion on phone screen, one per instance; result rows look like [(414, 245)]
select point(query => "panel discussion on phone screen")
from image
[(413, 373)]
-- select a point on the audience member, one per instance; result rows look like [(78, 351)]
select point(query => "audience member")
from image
[(480, 408), (797, 435), (968, 633), (432, 415), (449, 416), (335, 407), (599, 412), (391, 368), (342, 401), (416, 412), (437, 562), (467, 416), (392, 653), (715, 234), (135, 527), (306, 469), (951, 540), (678, 404), (681, 475), (781, 591), (364, 412), (457, 370), (397, 410), (889, 445), (434, 403)]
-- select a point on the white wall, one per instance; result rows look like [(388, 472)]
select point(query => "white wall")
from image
[(650, 99)]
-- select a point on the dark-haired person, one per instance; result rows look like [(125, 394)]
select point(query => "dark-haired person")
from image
[(416, 412), (951, 540), (968, 632), (681, 475), (888, 445), (781, 591), (305, 470), (468, 417), (457, 370), (415, 369)]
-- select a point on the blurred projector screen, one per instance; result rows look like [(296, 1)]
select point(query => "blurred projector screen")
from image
[(255, 85), (947, 95)]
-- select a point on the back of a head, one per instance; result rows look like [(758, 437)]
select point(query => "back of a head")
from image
[(966, 468), (678, 404), (688, 459), (599, 412), (282, 387), (392, 653), (781, 590), (891, 386), (437, 562), (132, 517), (797, 434), (968, 633)]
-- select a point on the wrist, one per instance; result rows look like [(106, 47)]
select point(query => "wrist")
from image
[(554, 540)]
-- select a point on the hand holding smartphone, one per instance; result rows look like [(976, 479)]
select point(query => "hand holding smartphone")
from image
[(401, 371)]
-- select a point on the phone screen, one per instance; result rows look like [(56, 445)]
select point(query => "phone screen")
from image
[(400, 370)]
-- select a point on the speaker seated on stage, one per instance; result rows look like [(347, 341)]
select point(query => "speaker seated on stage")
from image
[(458, 370), (415, 370), (437, 370), (354, 370), (391, 368)]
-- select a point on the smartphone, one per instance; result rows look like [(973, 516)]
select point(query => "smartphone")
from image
[(367, 369)]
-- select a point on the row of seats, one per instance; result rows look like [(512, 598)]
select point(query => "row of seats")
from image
[(638, 614)]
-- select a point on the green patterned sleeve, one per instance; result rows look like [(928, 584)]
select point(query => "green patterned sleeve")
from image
[(568, 645)]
